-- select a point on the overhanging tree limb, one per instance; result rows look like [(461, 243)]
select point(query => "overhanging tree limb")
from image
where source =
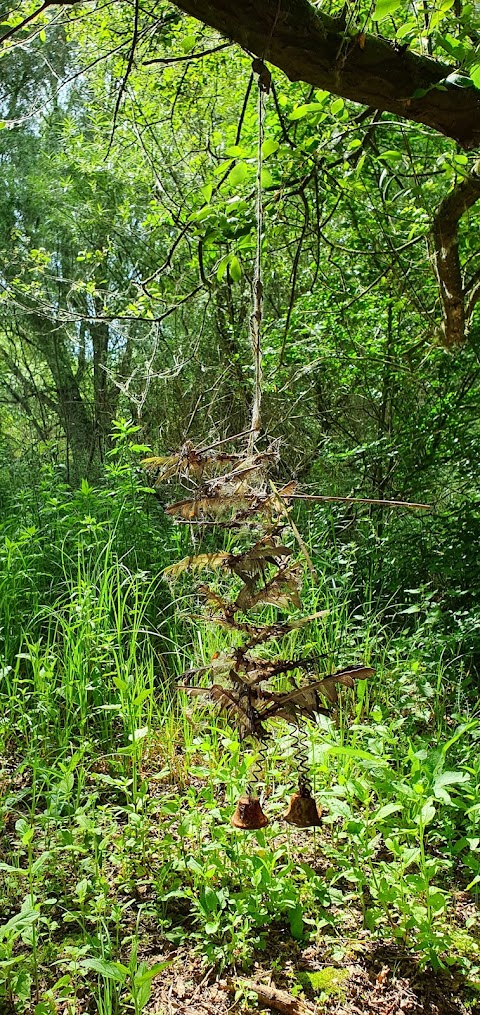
[(453, 290), (313, 47)]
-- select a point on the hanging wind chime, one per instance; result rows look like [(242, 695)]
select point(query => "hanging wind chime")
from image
[(232, 490)]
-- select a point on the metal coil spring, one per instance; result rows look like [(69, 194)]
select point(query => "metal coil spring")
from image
[(299, 738), (257, 770)]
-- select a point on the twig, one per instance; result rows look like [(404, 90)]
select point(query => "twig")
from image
[(274, 998), (188, 56), (131, 57), (359, 500), (296, 533)]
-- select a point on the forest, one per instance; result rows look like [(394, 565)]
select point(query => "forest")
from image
[(239, 507)]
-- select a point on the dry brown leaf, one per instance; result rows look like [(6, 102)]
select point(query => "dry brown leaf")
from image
[(213, 599), (206, 507), (197, 563), (329, 691), (164, 467), (281, 591), (360, 672)]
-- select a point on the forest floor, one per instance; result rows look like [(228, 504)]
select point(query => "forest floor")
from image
[(180, 845), (154, 858), (384, 981), (372, 979)]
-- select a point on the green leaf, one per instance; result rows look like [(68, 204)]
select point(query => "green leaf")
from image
[(219, 170), (158, 967), (408, 28), (295, 919), (267, 178), (474, 72), (451, 778), (305, 109), (188, 43), (235, 269), (439, 15), (451, 45), (384, 8), (385, 811), (427, 813), (236, 151), (22, 984), (352, 752), (110, 970), (138, 734), (337, 107), (222, 267), (269, 147), (238, 174)]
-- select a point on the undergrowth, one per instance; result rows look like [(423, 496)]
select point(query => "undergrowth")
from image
[(116, 792)]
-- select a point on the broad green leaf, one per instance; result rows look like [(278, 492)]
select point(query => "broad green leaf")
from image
[(454, 47), (408, 28), (352, 752), (235, 269), (21, 984), (474, 72), (427, 813), (439, 15), (451, 778), (295, 919), (385, 811), (384, 8), (305, 109), (267, 178), (222, 168), (222, 267), (238, 174), (138, 734), (269, 147), (236, 151), (204, 213), (188, 43), (110, 970)]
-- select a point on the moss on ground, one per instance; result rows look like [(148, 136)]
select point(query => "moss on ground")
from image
[(329, 981)]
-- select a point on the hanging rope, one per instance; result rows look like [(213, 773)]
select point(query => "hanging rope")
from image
[(255, 326)]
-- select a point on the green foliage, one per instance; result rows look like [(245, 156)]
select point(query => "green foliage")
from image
[(126, 259)]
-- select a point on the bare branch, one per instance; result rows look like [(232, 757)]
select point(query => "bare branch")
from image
[(188, 56)]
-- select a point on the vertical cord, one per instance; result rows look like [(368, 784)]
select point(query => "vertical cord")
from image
[(257, 309)]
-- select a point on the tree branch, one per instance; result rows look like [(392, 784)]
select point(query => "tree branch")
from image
[(313, 47), (456, 313)]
